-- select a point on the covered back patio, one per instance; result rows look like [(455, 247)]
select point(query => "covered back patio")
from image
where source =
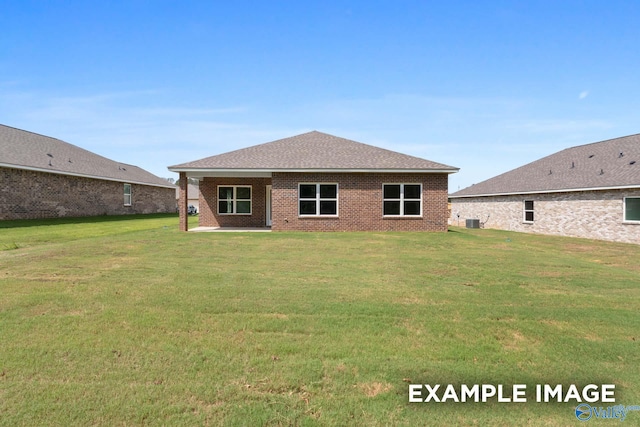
[(228, 202)]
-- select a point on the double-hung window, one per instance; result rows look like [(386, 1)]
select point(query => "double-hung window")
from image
[(528, 211), (127, 194), (234, 200), (402, 200), (318, 199), (632, 209)]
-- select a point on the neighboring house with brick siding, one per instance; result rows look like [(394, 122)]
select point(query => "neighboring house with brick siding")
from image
[(318, 182), (44, 177), (590, 191)]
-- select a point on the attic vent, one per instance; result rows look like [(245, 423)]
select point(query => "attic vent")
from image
[(550, 172), (621, 154), (632, 162), (601, 171), (591, 156), (50, 155), (70, 161), (573, 165)]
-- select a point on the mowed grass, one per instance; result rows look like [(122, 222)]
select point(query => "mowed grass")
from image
[(127, 321)]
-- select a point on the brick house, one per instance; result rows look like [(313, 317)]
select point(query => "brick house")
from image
[(590, 191), (318, 182), (44, 177)]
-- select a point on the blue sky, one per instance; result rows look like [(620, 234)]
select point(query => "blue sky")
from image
[(485, 86)]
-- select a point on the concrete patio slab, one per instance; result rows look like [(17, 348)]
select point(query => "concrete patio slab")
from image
[(231, 229)]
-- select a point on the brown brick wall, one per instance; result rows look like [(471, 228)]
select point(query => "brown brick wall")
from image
[(359, 202), (30, 195), (589, 214), (208, 212)]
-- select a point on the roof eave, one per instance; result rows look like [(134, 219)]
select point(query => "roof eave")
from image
[(238, 171)]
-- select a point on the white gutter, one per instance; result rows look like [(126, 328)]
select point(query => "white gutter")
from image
[(34, 169), (205, 171)]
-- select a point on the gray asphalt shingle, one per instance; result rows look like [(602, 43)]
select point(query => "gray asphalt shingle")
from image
[(27, 150), (314, 151), (606, 164)]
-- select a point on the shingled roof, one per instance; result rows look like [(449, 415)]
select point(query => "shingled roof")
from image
[(20, 149), (609, 164), (313, 151)]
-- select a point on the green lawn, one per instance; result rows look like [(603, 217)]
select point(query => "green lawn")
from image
[(127, 321)]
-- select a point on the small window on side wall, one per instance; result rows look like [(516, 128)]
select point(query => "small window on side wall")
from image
[(528, 211), (632, 209), (127, 194)]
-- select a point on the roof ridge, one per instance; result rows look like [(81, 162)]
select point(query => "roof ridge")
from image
[(33, 133), (69, 143), (354, 141), (604, 140)]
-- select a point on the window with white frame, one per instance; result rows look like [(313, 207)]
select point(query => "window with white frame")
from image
[(528, 211), (632, 209), (318, 199), (127, 194), (402, 200), (234, 200)]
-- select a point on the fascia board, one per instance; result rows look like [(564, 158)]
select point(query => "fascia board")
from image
[(212, 172)]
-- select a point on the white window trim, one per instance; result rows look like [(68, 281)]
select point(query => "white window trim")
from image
[(624, 211), (234, 200), (128, 197), (318, 199), (402, 200), (525, 210)]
